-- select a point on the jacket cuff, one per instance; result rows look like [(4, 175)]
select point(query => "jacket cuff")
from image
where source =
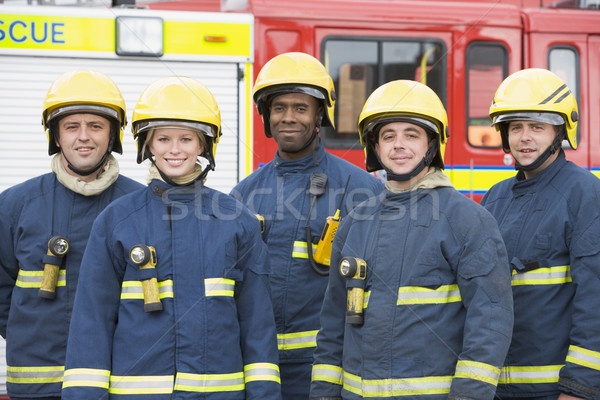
[(570, 386)]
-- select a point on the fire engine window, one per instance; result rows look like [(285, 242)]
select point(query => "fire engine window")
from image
[(487, 66), (564, 62), (359, 66)]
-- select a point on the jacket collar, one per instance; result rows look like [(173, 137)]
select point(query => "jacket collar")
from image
[(543, 178), (304, 164)]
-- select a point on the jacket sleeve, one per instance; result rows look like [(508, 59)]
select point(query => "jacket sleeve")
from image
[(256, 319), (327, 372), (581, 374), (9, 266), (484, 280), (89, 347)]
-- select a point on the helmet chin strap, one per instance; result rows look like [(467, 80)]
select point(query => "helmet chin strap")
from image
[(89, 171), (556, 145), (425, 162)]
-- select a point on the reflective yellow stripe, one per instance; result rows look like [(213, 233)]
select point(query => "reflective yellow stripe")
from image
[(543, 276), (132, 290), (219, 287), (366, 300), (299, 250), (87, 377), (477, 180), (209, 383), (327, 373), (261, 372), (397, 387), (34, 374), (584, 357), (297, 340), (420, 295), (33, 279), (530, 374), (477, 371), (154, 384)]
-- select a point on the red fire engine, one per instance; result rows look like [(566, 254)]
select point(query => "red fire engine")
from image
[(462, 50)]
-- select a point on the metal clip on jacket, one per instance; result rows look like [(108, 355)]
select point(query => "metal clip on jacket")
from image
[(145, 258), (57, 248)]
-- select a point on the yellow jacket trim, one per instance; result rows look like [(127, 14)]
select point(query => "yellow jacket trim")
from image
[(584, 357), (297, 340), (209, 383), (420, 295), (34, 374), (157, 384), (327, 373), (478, 371), (530, 374), (543, 276), (219, 287), (261, 372), (300, 249), (88, 377), (132, 290), (397, 387), (33, 279)]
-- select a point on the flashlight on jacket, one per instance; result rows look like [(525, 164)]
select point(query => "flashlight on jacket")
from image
[(261, 220), (145, 258), (355, 272), (57, 248)]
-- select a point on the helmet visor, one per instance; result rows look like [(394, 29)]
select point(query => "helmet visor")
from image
[(267, 94), (372, 129), (545, 117), (146, 126), (83, 109)]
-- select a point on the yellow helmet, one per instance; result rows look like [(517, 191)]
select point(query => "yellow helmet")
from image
[(177, 101), (83, 91), (402, 100), (294, 73), (534, 94)]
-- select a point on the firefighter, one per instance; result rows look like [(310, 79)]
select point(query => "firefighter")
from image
[(436, 310), (45, 226), (173, 300), (548, 215), (295, 193)]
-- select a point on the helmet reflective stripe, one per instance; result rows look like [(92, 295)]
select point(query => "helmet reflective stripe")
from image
[(558, 91)]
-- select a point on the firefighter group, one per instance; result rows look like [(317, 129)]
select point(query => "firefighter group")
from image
[(312, 279)]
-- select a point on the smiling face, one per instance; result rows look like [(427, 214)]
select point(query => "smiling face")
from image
[(83, 140), (528, 140), (175, 150), (293, 118), (401, 147)]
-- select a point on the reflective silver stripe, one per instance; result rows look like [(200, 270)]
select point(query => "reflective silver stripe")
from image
[(261, 372), (33, 279), (530, 374), (397, 387), (421, 295), (366, 299), (132, 290), (86, 377), (153, 384), (478, 371), (543, 276), (34, 374), (219, 287), (584, 357), (327, 373), (299, 250), (209, 383), (297, 340)]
